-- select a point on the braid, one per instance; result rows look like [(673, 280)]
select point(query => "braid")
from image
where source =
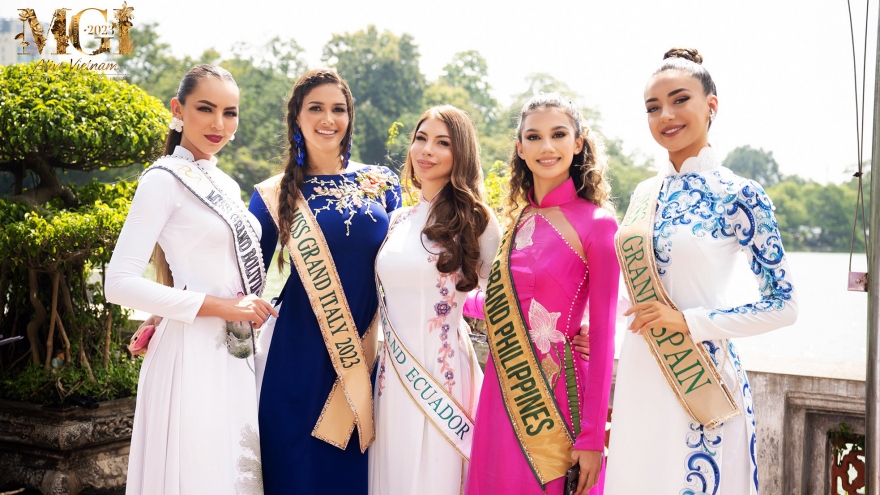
[(294, 174)]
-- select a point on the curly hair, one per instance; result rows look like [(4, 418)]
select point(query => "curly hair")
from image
[(294, 175), (458, 215), (588, 170), (187, 85)]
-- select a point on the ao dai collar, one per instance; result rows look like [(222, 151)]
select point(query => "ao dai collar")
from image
[(705, 160), (563, 193), (181, 152)]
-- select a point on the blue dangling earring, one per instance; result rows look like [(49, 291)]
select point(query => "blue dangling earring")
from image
[(299, 146), (347, 153)]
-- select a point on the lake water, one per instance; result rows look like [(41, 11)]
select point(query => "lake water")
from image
[(830, 335)]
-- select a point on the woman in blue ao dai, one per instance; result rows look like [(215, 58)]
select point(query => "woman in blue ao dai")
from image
[(706, 215), (351, 203)]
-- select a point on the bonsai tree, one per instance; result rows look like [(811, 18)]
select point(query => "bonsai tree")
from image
[(55, 239), (73, 119)]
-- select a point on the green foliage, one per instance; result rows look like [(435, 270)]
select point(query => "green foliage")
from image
[(47, 242), (383, 73), (75, 119), (755, 164), (67, 243), (496, 183), (469, 71), (625, 173)]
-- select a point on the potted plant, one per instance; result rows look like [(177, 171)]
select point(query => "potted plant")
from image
[(67, 385)]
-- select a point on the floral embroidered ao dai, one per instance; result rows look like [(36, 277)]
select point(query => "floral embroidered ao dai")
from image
[(563, 258), (705, 217), (410, 455), (352, 210)]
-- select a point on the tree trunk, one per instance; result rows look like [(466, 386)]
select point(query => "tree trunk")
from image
[(50, 340), (50, 186), (63, 334), (107, 337), (33, 328)]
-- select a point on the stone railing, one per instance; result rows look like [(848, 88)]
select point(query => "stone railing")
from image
[(795, 411)]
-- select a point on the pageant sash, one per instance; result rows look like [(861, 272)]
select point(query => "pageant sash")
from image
[(539, 426), (350, 402), (450, 418), (247, 243), (686, 365)]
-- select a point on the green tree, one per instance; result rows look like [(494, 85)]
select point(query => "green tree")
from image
[(265, 75), (625, 172), (54, 119), (383, 72), (469, 71), (153, 68), (755, 164)]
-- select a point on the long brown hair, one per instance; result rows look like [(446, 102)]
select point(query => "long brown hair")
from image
[(294, 174), (588, 170), (187, 86), (458, 216)]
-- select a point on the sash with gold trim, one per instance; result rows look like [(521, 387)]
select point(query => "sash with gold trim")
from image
[(540, 428), (350, 403), (449, 417), (693, 378), (246, 241)]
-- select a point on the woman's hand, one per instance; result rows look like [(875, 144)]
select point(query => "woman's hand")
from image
[(152, 320), (246, 308), (590, 462), (581, 342), (655, 314)]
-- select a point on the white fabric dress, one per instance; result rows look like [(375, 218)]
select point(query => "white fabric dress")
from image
[(195, 425), (706, 215), (409, 455)]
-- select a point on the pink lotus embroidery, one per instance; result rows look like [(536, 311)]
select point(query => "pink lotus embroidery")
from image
[(543, 327)]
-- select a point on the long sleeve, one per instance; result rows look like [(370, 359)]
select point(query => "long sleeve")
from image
[(269, 239), (595, 375), (156, 198), (752, 222), (489, 241)]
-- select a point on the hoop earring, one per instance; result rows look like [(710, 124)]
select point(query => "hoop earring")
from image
[(299, 146)]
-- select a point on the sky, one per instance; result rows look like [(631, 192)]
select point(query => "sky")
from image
[(783, 68)]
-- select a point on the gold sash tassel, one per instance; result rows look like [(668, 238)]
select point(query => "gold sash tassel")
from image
[(692, 377)]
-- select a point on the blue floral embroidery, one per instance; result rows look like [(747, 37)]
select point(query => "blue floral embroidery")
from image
[(703, 473), (722, 205), (749, 410)]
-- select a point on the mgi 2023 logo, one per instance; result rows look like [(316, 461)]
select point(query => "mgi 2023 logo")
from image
[(91, 27)]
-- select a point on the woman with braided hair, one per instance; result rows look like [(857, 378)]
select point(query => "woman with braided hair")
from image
[(683, 419), (315, 369)]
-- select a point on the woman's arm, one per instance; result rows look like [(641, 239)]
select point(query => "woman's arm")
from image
[(594, 383), (489, 241), (752, 222), (156, 198)]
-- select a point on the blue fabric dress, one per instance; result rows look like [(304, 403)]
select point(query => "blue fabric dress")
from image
[(298, 375)]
